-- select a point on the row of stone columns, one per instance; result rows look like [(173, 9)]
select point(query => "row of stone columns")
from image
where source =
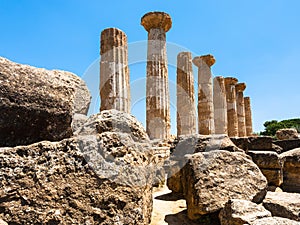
[(222, 108)]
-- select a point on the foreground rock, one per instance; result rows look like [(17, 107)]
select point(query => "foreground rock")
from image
[(270, 165), (38, 104), (291, 170), (275, 221), (239, 212), (287, 145), (253, 143), (190, 144), (287, 134), (100, 178), (213, 178), (283, 204)]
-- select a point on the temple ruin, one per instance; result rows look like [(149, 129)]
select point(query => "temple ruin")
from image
[(114, 72), (222, 108), (248, 116), (186, 112), (240, 105), (157, 24), (220, 105), (205, 94)]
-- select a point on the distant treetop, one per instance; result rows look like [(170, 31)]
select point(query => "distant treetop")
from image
[(272, 126)]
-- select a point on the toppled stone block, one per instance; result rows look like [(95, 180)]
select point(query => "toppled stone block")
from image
[(213, 178), (287, 134), (287, 145), (38, 104), (275, 220), (291, 170), (93, 178), (189, 144), (270, 165), (253, 143), (283, 204), (239, 212)]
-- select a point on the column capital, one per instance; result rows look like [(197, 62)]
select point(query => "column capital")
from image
[(231, 80), (240, 87), (153, 20), (208, 59)]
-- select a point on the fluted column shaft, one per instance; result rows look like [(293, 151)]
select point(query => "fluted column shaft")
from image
[(114, 72), (239, 88), (248, 116), (205, 95), (186, 112), (220, 105), (157, 87), (232, 119)]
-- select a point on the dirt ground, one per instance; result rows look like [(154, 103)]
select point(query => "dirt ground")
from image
[(168, 208)]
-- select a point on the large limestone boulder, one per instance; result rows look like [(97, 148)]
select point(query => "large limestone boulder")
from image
[(287, 134), (287, 145), (270, 165), (114, 121), (275, 221), (291, 170), (189, 144), (38, 104), (213, 178), (283, 204), (253, 143), (94, 178), (239, 212)]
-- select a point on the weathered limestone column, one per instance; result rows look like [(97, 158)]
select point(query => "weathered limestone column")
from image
[(220, 106), (232, 120), (157, 87), (248, 116), (186, 112), (240, 105), (205, 94), (114, 72)]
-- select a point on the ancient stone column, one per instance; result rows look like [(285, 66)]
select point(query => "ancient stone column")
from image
[(186, 112), (240, 107), (220, 105), (205, 94), (157, 87), (232, 120), (114, 72), (248, 116)]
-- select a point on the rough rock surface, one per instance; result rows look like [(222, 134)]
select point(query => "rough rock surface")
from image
[(100, 178), (239, 212), (291, 170), (283, 204), (270, 165), (190, 144), (287, 145), (114, 121), (2, 222), (287, 134), (213, 178), (38, 104), (275, 221), (253, 143)]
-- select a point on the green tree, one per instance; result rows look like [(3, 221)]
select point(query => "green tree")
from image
[(272, 126)]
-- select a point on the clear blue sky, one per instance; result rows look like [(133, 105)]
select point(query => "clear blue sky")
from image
[(256, 41)]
